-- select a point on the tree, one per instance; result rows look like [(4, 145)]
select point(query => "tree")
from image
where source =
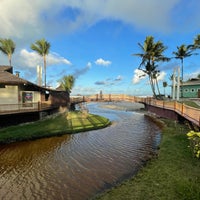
[(182, 52), (164, 85), (156, 73), (67, 83), (42, 47), (197, 42), (7, 47), (152, 53)]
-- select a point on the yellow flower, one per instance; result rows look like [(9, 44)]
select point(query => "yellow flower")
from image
[(190, 134), (198, 134)]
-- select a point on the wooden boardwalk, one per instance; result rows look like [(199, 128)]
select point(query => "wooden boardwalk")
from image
[(190, 113)]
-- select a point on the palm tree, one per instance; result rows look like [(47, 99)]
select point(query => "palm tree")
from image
[(42, 47), (182, 52), (197, 42), (67, 83), (164, 85), (152, 52), (156, 73), (7, 47)]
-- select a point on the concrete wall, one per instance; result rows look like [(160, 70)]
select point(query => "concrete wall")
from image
[(170, 114)]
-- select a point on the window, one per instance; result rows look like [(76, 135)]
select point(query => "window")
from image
[(192, 90), (46, 95), (27, 99)]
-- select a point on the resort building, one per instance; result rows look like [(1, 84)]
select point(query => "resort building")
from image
[(189, 89), (18, 95)]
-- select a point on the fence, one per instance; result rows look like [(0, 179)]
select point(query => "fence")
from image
[(24, 107), (190, 113)]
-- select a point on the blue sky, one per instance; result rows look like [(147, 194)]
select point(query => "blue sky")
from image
[(93, 40)]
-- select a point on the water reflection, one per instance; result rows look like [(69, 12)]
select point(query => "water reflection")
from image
[(76, 166)]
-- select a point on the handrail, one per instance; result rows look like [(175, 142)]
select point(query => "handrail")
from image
[(190, 113), (25, 107)]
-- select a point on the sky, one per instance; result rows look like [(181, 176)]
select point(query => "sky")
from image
[(94, 40)]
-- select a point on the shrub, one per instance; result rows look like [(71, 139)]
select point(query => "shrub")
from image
[(194, 138)]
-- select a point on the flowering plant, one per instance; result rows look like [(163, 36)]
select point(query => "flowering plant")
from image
[(194, 138)]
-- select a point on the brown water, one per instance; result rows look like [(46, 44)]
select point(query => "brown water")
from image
[(77, 166)]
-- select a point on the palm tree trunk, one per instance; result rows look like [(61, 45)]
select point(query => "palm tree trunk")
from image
[(45, 83), (182, 77), (152, 85), (157, 86), (9, 59)]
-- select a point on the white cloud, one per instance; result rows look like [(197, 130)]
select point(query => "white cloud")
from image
[(79, 72), (54, 58), (32, 59), (138, 76), (29, 59), (161, 76), (119, 78), (102, 62), (89, 65), (27, 20), (84, 90), (191, 75)]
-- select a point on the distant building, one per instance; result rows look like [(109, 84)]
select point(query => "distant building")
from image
[(190, 89)]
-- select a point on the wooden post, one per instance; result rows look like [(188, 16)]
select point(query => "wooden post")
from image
[(109, 97), (199, 120), (39, 105)]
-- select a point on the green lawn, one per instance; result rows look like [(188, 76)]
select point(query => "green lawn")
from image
[(67, 123), (174, 174), (191, 104)]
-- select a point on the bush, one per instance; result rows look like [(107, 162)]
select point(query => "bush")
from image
[(194, 138)]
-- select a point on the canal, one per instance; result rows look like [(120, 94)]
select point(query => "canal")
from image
[(76, 167)]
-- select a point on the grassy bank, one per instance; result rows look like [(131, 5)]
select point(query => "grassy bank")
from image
[(174, 174), (67, 123)]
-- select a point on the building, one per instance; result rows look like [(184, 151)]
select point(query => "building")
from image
[(189, 89), (18, 95)]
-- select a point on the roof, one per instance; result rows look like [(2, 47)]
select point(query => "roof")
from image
[(192, 82), (6, 68), (10, 79)]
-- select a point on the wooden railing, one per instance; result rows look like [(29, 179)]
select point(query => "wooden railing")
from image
[(190, 113), (27, 107)]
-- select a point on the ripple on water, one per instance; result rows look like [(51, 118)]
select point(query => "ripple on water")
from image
[(76, 166)]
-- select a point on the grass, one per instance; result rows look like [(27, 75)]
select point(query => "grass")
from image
[(191, 104), (174, 174), (68, 123)]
